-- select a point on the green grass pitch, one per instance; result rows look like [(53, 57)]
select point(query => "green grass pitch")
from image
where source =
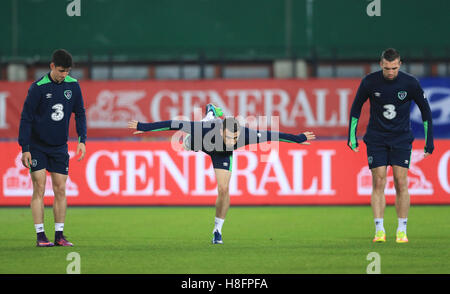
[(257, 240)]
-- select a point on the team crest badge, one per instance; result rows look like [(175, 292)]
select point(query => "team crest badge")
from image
[(68, 94), (402, 95)]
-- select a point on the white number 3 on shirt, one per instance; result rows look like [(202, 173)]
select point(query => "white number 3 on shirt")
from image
[(58, 114), (390, 111)]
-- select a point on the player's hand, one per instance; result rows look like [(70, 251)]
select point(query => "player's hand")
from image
[(426, 154), (26, 159), (309, 136), (133, 125), (356, 149), (81, 148)]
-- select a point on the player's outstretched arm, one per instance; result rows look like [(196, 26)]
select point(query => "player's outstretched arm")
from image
[(167, 125), (302, 138), (254, 136)]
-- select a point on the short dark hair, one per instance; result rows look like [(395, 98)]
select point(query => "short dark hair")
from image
[(231, 124), (390, 54), (62, 57)]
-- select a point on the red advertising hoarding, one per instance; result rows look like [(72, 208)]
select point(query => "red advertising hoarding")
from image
[(153, 173), (321, 106)]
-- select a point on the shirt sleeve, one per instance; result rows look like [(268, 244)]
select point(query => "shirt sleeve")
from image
[(80, 117), (252, 136), (361, 97), (27, 117), (169, 125), (421, 100)]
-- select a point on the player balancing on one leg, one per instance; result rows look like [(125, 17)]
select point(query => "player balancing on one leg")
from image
[(389, 137), (218, 138)]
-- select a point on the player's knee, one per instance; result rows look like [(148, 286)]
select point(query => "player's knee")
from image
[(59, 190), (38, 189), (222, 190), (401, 185), (38, 194), (379, 183)]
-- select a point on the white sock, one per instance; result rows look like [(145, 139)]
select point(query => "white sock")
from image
[(59, 227), (402, 224), (209, 116), (379, 224), (218, 223), (39, 228)]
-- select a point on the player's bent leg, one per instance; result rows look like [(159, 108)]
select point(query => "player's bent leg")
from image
[(59, 207), (38, 179), (402, 201)]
